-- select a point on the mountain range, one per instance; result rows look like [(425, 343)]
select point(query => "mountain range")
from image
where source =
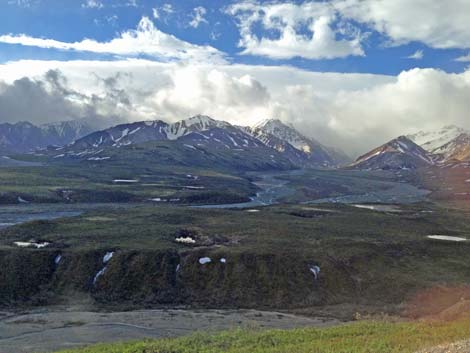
[(202, 131), (25, 136), (270, 138)]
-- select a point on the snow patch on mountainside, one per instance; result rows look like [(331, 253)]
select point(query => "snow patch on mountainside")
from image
[(456, 149), (201, 130), (193, 124), (287, 133), (431, 140)]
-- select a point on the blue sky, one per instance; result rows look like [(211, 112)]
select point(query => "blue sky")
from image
[(72, 21)]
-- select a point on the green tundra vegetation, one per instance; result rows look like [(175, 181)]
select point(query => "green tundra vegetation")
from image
[(268, 255), (359, 337), (160, 170), (100, 183)]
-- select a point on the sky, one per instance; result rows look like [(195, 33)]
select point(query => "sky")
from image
[(350, 73)]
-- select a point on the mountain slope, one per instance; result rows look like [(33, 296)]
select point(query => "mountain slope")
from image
[(64, 132), (449, 143), (223, 151), (313, 152), (399, 153), (196, 142), (272, 138), (295, 155), (193, 124), (456, 149), (431, 140), (24, 136), (124, 134), (144, 131)]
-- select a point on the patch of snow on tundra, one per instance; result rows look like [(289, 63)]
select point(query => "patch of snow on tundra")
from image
[(315, 270), (21, 200), (98, 158), (100, 273), (185, 240), (205, 260), (446, 237), (125, 181), (57, 259), (108, 256), (30, 244)]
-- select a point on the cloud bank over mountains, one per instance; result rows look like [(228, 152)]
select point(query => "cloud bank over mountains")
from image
[(353, 111)]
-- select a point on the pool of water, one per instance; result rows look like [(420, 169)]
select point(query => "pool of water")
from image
[(16, 214)]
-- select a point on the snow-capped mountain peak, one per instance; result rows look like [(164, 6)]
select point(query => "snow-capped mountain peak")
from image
[(152, 130), (193, 124), (398, 153), (314, 152), (270, 124), (287, 133), (431, 140)]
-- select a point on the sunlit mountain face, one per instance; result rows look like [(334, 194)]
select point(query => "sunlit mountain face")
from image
[(174, 174)]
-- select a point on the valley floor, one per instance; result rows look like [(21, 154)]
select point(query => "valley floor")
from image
[(51, 329), (372, 242)]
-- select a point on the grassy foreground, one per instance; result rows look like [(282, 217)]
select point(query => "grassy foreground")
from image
[(360, 337)]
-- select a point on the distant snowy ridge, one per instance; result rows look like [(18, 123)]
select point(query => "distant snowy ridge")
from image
[(431, 140), (153, 130), (449, 143), (24, 136)]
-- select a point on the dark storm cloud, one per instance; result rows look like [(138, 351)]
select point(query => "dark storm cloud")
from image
[(50, 99)]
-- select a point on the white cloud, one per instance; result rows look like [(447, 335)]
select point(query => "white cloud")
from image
[(417, 55), (146, 39), (131, 3), (163, 13), (417, 99), (23, 3), (353, 111), (198, 17), (155, 13), (311, 30), (168, 8), (438, 24), (210, 91), (111, 20), (325, 29), (93, 4), (463, 58)]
